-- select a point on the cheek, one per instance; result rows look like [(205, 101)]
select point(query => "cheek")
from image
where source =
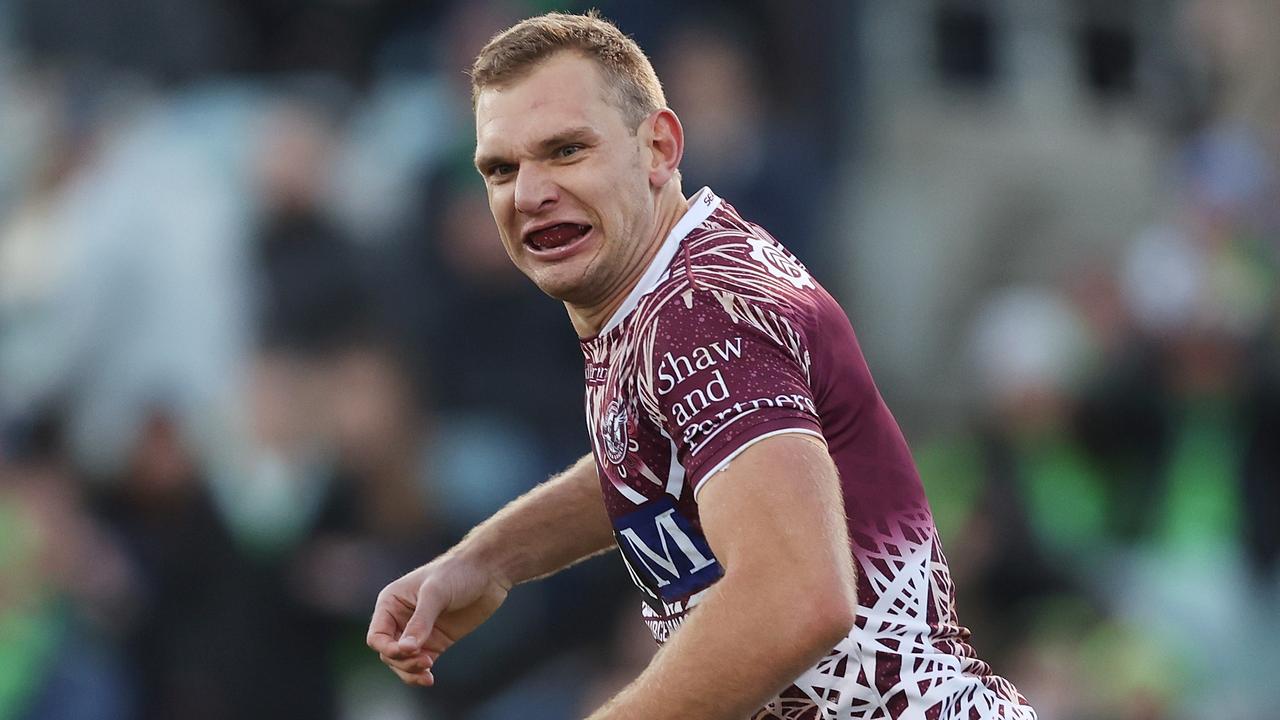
[(511, 247), (499, 199), (617, 191), (501, 208)]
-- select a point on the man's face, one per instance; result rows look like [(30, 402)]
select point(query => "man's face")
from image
[(568, 181)]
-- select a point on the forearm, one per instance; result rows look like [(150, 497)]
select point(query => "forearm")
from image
[(736, 651), (549, 528)]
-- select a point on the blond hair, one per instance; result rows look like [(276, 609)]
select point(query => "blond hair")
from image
[(515, 52)]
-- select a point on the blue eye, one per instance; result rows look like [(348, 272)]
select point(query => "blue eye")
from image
[(569, 150)]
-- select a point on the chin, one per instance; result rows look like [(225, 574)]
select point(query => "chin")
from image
[(554, 283), (565, 280)]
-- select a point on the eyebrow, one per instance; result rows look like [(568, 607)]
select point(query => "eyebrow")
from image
[(567, 137), (578, 134)]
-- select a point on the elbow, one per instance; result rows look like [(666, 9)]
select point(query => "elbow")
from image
[(828, 615), (812, 611), (837, 608), (830, 621), (808, 614), (805, 628)]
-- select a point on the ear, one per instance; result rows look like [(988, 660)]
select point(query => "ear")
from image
[(666, 146)]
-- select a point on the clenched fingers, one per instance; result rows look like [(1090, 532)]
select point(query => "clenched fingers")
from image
[(424, 678), (415, 664), (389, 616), (382, 642)]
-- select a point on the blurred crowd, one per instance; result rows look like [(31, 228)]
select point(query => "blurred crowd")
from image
[(261, 351)]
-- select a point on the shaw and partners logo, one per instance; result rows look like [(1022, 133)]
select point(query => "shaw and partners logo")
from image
[(664, 555), (678, 370)]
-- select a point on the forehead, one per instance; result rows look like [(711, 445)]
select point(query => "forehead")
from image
[(566, 90)]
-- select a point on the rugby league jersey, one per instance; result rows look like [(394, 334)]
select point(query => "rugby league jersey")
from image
[(728, 340)]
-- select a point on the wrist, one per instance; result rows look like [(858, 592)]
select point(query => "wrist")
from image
[(498, 563)]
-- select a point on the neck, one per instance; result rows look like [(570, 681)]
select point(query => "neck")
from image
[(587, 321)]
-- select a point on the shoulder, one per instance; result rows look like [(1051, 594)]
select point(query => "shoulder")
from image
[(731, 267), (729, 253)]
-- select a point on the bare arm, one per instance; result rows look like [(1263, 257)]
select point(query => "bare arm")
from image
[(423, 613), (775, 520), (547, 529)]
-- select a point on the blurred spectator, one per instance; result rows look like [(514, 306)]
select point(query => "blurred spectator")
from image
[(36, 256), (1202, 289), (740, 141), (312, 288), (1121, 407), (1021, 510), (1032, 353), (380, 516), (138, 284), (311, 297), (215, 635), (64, 586), (381, 513)]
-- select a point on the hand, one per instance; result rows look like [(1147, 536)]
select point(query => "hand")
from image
[(423, 613)]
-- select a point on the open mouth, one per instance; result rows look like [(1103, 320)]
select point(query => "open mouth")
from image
[(556, 236)]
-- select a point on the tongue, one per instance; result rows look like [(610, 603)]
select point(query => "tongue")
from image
[(557, 235)]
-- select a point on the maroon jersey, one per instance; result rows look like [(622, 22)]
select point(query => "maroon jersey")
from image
[(728, 340)]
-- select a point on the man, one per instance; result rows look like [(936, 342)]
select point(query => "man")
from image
[(743, 459)]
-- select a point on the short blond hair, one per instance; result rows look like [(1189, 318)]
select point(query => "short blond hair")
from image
[(515, 52)]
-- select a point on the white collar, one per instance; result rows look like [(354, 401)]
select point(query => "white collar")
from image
[(701, 206)]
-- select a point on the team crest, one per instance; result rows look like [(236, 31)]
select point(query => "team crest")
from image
[(779, 264), (615, 432)]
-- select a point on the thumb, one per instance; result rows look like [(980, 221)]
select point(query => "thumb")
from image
[(429, 606)]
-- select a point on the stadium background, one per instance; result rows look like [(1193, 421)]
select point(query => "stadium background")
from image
[(260, 350)]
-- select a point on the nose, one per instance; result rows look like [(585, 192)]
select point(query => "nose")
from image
[(535, 190)]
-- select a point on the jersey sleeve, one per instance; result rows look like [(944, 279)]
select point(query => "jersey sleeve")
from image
[(721, 373)]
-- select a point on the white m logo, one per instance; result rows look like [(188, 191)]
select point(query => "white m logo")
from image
[(667, 527)]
